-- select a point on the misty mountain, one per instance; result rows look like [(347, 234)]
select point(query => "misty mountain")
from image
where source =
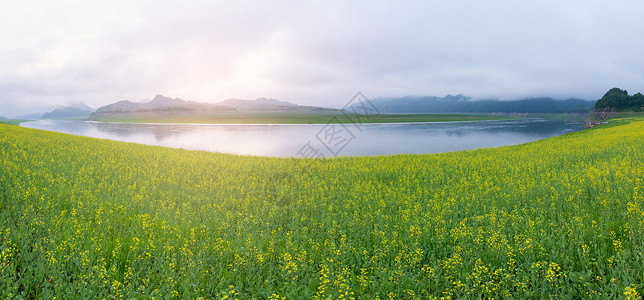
[(269, 105), (77, 110), (163, 105), (66, 113), (158, 103), (1, 117), (463, 104), (257, 104), (35, 116), (80, 105)]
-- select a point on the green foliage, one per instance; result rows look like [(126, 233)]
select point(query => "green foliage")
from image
[(619, 99), (638, 100), (87, 218)]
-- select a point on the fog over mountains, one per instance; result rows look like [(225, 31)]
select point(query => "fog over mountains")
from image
[(409, 104), (463, 104), (78, 110), (158, 103), (162, 105)]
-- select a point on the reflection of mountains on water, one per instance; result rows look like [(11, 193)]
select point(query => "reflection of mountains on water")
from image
[(160, 132), (288, 140), (529, 127), (165, 131)]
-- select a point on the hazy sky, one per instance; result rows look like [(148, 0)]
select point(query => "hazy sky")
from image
[(314, 52)]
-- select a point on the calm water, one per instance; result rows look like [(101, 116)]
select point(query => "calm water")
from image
[(327, 140)]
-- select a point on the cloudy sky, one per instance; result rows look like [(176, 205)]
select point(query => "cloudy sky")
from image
[(314, 52)]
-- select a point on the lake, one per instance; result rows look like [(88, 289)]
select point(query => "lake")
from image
[(309, 140)]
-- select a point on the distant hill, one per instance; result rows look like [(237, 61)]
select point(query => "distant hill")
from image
[(258, 104), (161, 107), (268, 105), (158, 104), (78, 110), (28, 117), (1, 117), (463, 104), (619, 99), (65, 113)]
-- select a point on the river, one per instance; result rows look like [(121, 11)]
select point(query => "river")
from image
[(306, 140)]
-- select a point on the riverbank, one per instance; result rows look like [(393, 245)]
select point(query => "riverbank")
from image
[(11, 121)]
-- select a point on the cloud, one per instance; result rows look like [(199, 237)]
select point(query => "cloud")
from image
[(314, 52)]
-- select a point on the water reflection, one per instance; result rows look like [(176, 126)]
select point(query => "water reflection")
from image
[(287, 140)]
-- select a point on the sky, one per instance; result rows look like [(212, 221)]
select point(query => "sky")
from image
[(53, 53)]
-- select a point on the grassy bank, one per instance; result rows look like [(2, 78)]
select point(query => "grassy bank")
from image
[(289, 118), (11, 121), (629, 115), (87, 218)]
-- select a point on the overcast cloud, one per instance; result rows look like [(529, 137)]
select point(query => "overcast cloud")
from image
[(314, 52)]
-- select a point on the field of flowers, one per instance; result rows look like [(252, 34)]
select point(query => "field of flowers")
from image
[(88, 218)]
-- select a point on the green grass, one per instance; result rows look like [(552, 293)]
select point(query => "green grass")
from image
[(11, 121), (290, 118), (573, 117), (629, 115), (556, 218)]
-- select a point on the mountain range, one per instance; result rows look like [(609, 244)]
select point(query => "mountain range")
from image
[(157, 104), (165, 106), (463, 104), (77, 110)]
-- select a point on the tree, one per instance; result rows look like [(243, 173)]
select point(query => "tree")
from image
[(615, 97), (638, 101), (619, 99)]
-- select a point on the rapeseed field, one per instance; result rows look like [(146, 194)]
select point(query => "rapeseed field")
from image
[(87, 218)]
